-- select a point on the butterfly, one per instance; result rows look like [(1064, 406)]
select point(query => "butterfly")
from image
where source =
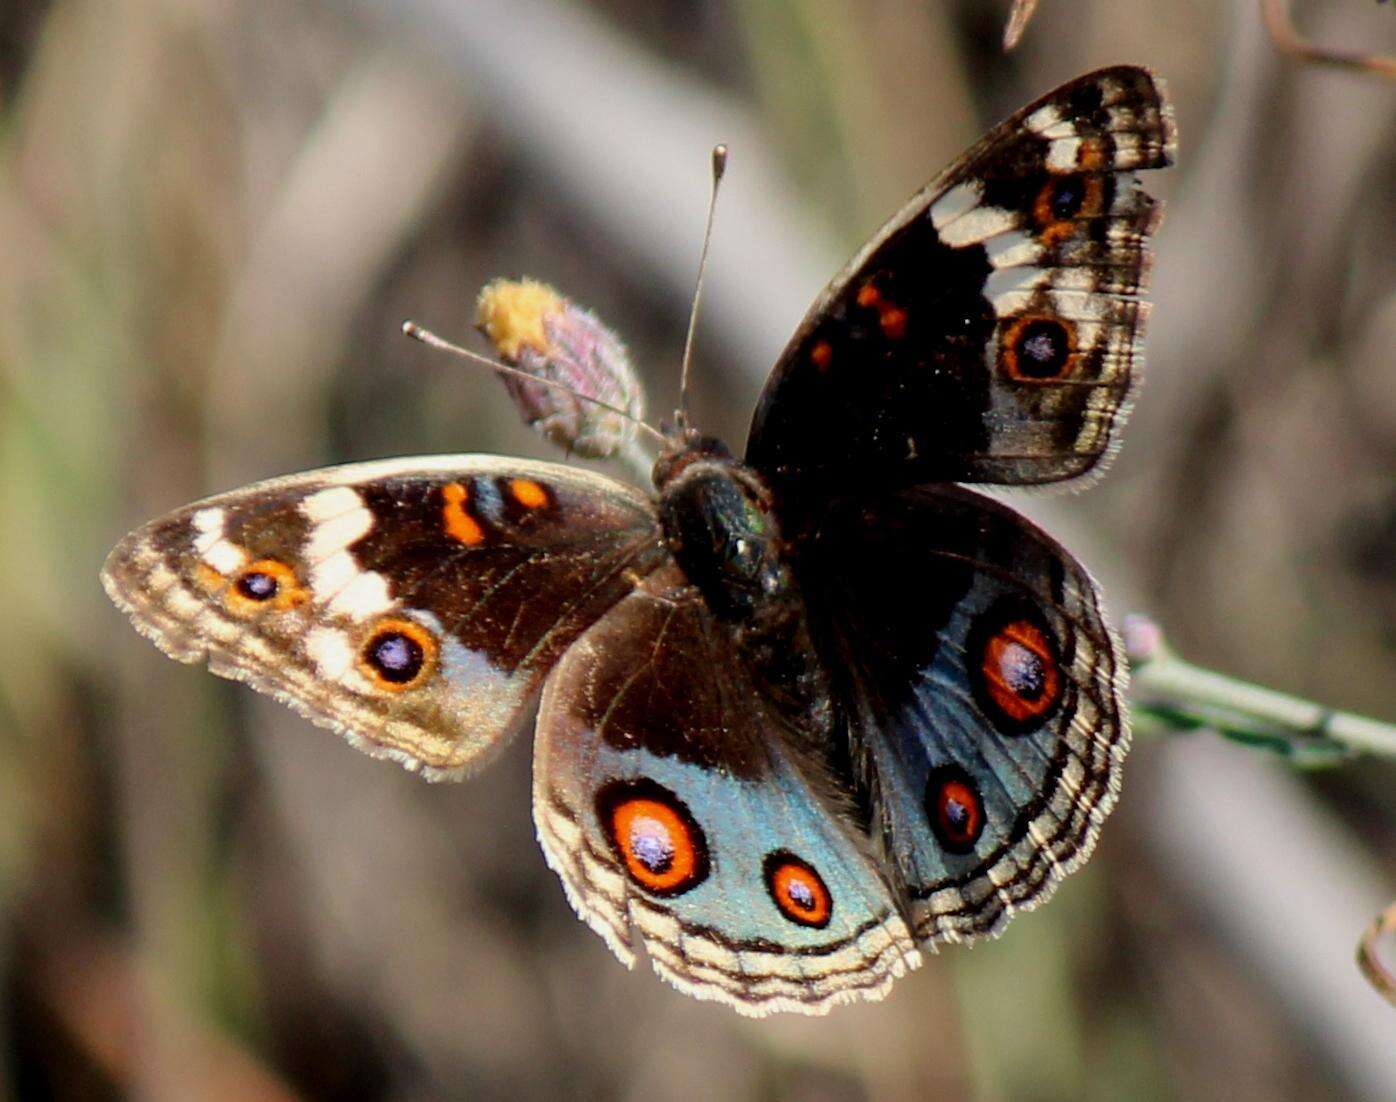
[(800, 715)]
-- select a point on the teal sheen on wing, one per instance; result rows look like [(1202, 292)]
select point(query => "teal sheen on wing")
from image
[(755, 931)]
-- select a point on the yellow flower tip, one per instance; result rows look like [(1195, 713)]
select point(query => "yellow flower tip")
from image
[(511, 311)]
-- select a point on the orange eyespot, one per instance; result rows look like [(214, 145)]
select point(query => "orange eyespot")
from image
[(1063, 202), (654, 835), (1037, 349), (821, 355), (397, 655), (868, 294), (954, 809), (1020, 673), (261, 585), (528, 493), (460, 525), (798, 891)]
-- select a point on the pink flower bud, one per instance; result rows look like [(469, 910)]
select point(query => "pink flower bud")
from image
[(537, 330), (1143, 638)]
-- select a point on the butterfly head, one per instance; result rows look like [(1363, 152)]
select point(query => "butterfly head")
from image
[(683, 446)]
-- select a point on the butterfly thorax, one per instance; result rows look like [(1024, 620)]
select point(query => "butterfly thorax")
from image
[(720, 525)]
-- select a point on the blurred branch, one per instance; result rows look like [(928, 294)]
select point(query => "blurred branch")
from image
[(334, 220), (633, 156), (1018, 22), (98, 992), (1377, 973), (1288, 40), (1177, 694)]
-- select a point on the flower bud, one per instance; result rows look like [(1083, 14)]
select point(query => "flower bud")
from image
[(537, 330)]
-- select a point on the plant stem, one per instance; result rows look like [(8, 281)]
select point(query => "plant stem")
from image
[(1288, 40), (1181, 695)]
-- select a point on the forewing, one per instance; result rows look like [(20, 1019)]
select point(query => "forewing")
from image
[(414, 605), (670, 803), (983, 692), (991, 331)]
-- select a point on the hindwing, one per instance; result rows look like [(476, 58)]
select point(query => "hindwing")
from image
[(669, 799), (983, 694)]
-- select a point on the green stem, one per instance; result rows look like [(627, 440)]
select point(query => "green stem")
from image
[(1180, 695)]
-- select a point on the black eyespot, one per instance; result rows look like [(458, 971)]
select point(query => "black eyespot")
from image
[(399, 654), (257, 586), (954, 808), (397, 657), (1067, 196), (1040, 349)]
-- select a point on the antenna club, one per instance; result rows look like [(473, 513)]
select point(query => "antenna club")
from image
[(719, 167)]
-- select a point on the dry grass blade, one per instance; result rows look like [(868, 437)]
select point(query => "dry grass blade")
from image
[(1377, 973), (1288, 40), (1018, 22)]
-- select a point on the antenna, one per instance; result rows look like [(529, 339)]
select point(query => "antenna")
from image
[(719, 167), (427, 337)]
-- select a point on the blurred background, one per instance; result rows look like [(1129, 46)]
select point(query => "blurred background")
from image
[(214, 217)]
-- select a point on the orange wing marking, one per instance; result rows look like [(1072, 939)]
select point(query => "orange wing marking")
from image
[(460, 525)]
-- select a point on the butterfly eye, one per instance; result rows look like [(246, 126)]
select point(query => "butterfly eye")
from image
[(654, 835), (798, 890), (398, 655), (1018, 673), (954, 809)]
